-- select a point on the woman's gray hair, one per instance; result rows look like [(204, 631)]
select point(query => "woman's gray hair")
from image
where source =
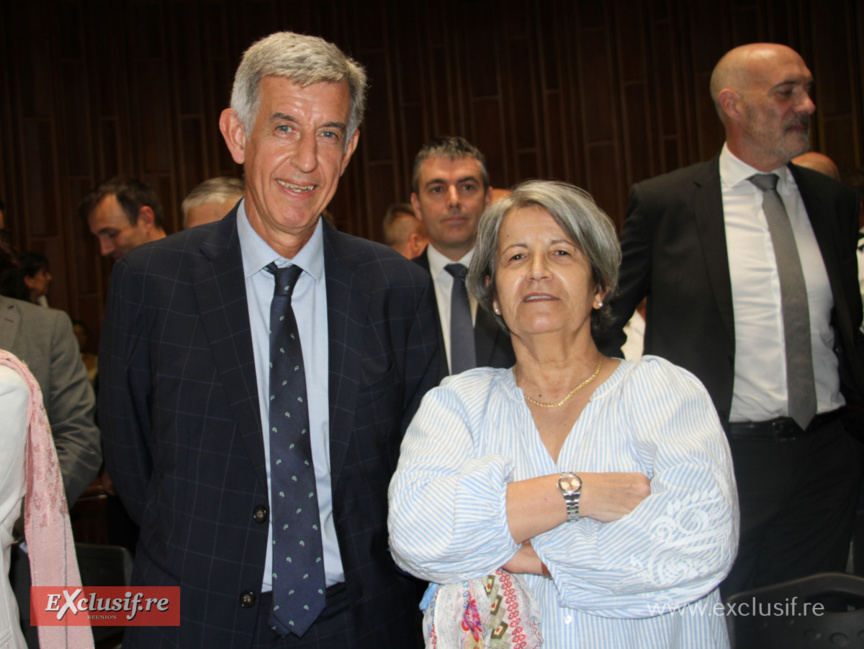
[(302, 59), (581, 220)]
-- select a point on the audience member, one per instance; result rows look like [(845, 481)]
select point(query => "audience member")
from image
[(855, 180), (43, 339), (403, 231), (754, 290), (30, 472), (90, 360), (211, 200), (187, 386), (478, 497), (122, 213), (29, 281), (818, 162), (450, 189)]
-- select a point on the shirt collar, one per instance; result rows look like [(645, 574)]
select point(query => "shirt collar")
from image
[(437, 261), (734, 171), (257, 253)]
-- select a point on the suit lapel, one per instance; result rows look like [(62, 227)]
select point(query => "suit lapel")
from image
[(825, 230), (220, 288), (813, 198), (10, 322), (443, 365), (707, 207), (347, 306)]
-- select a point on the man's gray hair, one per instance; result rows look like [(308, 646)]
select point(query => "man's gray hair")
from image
[(212, 190), (581, 220), (302, 59), (451, 147)]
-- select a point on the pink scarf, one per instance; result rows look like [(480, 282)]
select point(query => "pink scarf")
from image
[(46, 516)]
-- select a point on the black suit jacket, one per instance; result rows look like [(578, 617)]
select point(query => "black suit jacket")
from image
[(182, 430), (492, 345), (674, 252)]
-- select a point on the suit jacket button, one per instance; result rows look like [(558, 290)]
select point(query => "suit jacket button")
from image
[(247, 598), (259, 515)]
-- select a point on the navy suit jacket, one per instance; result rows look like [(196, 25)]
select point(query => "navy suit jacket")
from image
[(182, 430), (674, 252), (492, 345)]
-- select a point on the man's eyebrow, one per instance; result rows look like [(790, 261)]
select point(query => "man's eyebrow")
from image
[(441, 181), (284, 117)]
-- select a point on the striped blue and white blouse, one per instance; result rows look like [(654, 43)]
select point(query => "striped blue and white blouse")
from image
[(646, 580)]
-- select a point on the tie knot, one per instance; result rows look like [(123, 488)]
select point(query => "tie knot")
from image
[(765, 182), (286, 278), (457, 270)]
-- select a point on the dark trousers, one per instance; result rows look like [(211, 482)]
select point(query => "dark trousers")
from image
[(19, 576), (797, 501), (332, 630)]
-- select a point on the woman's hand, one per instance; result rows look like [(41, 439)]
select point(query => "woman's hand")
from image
[(606, 497), (535, 505), (525, 561)]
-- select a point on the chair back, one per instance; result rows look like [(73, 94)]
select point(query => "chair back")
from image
[(824, 610)]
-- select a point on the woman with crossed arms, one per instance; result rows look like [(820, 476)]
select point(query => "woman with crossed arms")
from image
[(606, 485)]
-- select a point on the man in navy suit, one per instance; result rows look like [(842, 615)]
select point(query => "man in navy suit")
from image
[(185, 373), (698, 244), (450, 190)]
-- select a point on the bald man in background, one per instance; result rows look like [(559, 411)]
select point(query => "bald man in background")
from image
[(818, 162), (403, 231), (697, 243)]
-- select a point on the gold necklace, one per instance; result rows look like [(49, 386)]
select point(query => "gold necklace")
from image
[(572, 392)]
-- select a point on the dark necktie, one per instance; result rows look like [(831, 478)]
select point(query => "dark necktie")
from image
[(462, 354), (298, 558), (801, 385)]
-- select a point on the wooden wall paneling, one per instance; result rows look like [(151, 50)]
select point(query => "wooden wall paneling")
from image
[(600, 102), (188, 72), (598, 94), (834, 71), (710, 28), (6, 145), (410, 79), (637, 115), (549, 32), (522, 116), (664, 44)]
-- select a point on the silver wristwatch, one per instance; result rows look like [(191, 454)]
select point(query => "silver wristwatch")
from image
[(570, 485)]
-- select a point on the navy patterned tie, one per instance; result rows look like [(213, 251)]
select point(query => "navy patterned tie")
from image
[(462, 354), (298, 563)]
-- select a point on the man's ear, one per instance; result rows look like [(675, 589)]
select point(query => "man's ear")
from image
[(349, 150), (415, 203), (234, 135), (147, 217), (730, 103)]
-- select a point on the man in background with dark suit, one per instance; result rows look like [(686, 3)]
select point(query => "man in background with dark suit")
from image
[(258, 374), (450, 190), (748, 264)]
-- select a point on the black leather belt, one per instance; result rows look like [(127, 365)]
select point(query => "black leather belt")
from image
[(781, 429)]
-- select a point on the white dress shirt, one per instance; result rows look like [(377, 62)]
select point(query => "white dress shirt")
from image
[(309, 302), (760, 389), (443, 282)]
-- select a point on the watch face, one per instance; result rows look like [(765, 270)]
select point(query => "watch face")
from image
[(570, 483)]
